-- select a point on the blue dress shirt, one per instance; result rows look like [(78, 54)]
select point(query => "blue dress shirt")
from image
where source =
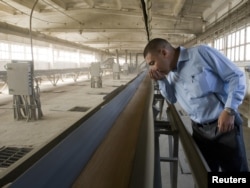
[(204, 83)]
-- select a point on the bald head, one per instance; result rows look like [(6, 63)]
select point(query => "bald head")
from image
[(155, 45)]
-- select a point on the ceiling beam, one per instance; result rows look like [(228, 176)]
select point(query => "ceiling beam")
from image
[(90, 30), (29, 4), (178, 7), (60, 3), (118, 30), (119, 4), (86, 11), (91, 3), (136, 13), (106, 11), (174, 18), (7, 9), (110, 41), (173, 31), (21, 32)]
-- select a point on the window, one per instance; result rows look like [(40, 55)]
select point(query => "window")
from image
[(4, 50), (17, 52), (63, 58), (236, 45), (219, 44), (248, 34), (42, 54), (248, 50)]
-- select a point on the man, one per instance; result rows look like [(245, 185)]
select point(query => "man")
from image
[(209, 87)]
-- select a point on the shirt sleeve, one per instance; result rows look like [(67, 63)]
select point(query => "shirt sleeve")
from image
[(232, 77), (167, 90)]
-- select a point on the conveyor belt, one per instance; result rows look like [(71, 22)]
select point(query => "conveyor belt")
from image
[(113, 147), (62, 165)]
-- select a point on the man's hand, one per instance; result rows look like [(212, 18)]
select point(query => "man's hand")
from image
[(156, 75), (225, 122)]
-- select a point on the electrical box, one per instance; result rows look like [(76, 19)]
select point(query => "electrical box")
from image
[(95, 69), (116, 67), (19, 78), (125, 66)]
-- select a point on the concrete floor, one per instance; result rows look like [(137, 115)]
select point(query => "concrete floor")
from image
[(56, 104)]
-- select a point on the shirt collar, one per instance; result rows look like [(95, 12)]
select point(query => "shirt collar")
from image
[(183, 56)]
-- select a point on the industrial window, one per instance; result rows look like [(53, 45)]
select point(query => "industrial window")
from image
[(27, 52), (42, 54), (247, 43), (65, 56), (248, 50), (4, 50), (219, 44), (17, 51), (88, 58), (248, 34), (236, 45), (242, 36)]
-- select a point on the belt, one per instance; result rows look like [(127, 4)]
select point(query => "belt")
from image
[(207, 123)]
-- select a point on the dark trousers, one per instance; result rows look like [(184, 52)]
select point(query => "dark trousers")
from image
[(225, 151)]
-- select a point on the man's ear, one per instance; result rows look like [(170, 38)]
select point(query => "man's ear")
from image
[(164, 52)]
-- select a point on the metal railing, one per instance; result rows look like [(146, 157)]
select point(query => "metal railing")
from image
[(195, 159)]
